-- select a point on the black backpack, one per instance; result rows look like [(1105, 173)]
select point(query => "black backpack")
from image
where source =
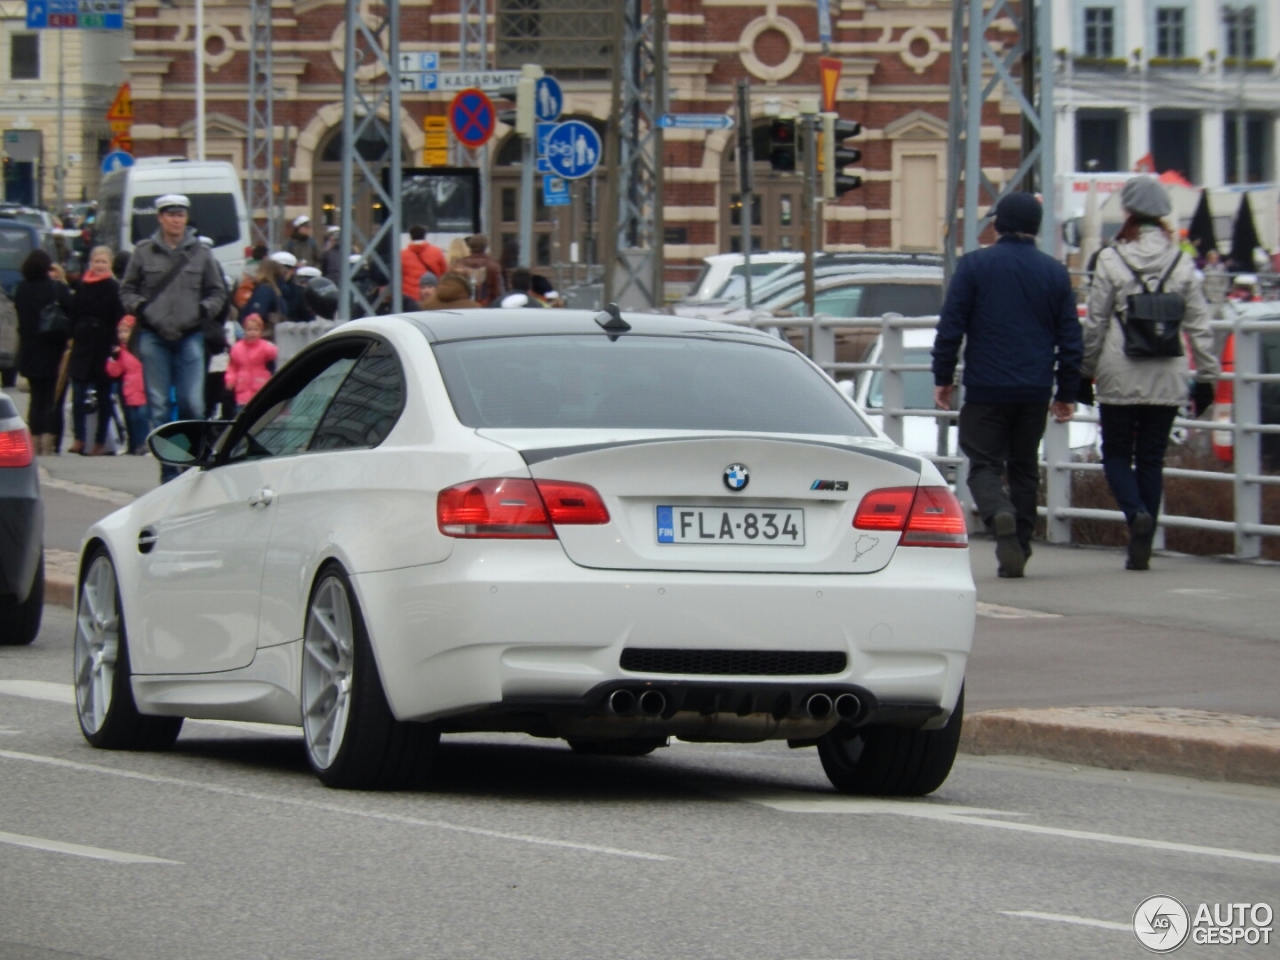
[(1152, 319)]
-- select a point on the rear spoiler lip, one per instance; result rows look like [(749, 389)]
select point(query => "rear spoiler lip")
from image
[(538, 455)]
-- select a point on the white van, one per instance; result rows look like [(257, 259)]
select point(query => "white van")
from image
[(127, 211)]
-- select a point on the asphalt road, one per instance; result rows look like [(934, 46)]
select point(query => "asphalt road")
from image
[(226, 846)]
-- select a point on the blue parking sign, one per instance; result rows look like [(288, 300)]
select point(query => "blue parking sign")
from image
[(555, 192), (573, 149)]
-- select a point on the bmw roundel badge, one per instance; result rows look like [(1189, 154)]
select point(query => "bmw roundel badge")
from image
[(736, 477)]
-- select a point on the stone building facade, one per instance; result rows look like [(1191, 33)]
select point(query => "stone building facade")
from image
[(895, 56)]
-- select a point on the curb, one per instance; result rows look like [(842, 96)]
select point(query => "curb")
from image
[(1187, 743), (60, 590)]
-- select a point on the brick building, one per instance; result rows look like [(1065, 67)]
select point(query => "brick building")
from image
[(895, 82)]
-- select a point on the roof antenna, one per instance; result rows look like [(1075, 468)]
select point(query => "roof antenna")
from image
[(610, 320)]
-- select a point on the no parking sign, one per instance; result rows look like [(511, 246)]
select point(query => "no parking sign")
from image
[(472, 118)]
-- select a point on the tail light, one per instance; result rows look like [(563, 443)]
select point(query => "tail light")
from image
[(15, 448), (927, 516), (513, 508)]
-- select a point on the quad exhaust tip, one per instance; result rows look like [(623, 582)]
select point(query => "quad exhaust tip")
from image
[(621, 702), (847, 706), (818, 706)]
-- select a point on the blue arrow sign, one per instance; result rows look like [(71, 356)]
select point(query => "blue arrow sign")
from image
[(573, 149), (549, 100), (37, 15), (695, 121), (116, 160), (555, 192)]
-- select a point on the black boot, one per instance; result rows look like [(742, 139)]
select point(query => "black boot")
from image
[(1008, 550), (1141, 534)]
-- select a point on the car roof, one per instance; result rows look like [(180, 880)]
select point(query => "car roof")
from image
[(442, 326)]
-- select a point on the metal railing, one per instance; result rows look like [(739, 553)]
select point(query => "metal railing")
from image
[(1246, 426)]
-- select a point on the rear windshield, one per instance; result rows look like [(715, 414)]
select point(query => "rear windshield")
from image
[(640, 382), (212, 214), (14, 246)]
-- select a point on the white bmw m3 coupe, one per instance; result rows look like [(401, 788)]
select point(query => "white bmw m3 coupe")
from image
[(603, 528)]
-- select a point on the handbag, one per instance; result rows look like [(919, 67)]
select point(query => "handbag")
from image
[(1152, 319), (54, 321)]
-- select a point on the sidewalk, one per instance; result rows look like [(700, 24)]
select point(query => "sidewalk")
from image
[(1173, 670)]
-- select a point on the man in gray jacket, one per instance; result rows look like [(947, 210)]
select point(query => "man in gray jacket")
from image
[(173, 285)]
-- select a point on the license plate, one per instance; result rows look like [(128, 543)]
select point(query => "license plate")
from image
[(744, 525)]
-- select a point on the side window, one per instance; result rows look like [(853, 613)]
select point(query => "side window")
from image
[(283, 418), (840, 302), (367, 405)]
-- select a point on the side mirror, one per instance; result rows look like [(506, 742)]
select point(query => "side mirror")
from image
[(186, 443)]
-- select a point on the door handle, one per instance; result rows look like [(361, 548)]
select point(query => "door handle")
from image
[(262, 498)]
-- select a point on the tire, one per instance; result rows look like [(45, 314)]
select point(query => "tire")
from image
[(892, 761), (618, 748), (353, 741), (20, 622), (108, 715)]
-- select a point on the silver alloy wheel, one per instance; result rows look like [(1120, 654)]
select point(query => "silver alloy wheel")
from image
[(328, 654), (97, 644)]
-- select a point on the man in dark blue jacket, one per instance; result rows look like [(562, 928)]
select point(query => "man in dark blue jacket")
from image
[(1015, 308)]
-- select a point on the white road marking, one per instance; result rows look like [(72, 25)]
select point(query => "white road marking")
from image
[(78, 850), (93, 492), (329, 807), (1069, 918), (65, 693), (997, 611), (977, 818)]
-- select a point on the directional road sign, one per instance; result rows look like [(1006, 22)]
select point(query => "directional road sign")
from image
[(75, 14), (695, 121), (454, 80), (555, 192), (419, 62), (116, 160), (549, 100), (573, 149), (472, 117)]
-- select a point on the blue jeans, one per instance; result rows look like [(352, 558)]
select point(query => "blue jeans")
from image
[(1134, 439), (179, 364), (138, 421)]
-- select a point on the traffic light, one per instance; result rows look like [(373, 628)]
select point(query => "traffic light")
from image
[(836, 157), (782, 145), (525, 115)]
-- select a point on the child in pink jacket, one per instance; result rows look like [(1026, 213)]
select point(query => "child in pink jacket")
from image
[(252, 362), (125, 367)]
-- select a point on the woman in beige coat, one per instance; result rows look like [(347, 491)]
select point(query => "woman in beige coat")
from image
[(1139, 396)]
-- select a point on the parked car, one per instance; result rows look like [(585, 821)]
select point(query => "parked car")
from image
[(920, 433), (21, 532), (723, 276), (604, 528)]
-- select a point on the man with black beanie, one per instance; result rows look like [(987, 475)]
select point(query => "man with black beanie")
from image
[(1015, 309)]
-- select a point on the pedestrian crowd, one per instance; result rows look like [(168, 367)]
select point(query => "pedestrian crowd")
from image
[(162, 333)]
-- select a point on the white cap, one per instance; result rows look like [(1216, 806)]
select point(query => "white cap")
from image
[(301, 220), (354, 258), (285, 258), (207, 241), (333, 228), (173, 200), (515, 300), (308, 273)]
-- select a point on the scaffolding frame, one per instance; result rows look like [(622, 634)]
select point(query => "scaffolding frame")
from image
[(634, 275), (371, 113), (979, 65), (260, 150)]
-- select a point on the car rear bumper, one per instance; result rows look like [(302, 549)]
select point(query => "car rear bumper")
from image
[(517, 622), (21, 530)]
